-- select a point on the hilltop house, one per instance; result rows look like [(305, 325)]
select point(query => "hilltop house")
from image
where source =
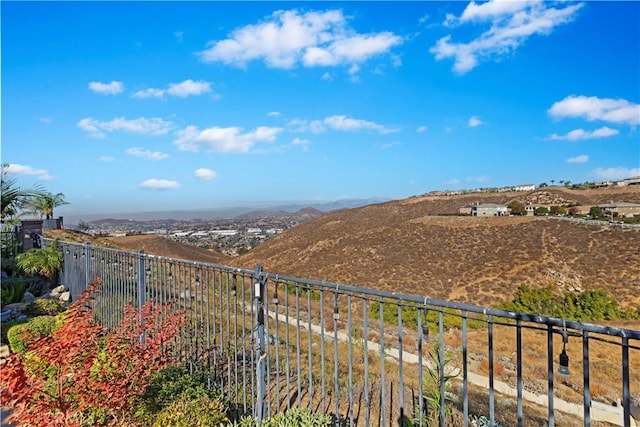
[(485, 209), (622, 209), (524, 187)]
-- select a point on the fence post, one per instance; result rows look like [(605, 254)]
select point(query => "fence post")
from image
[(87, 265), (260, 341), (141, 290)]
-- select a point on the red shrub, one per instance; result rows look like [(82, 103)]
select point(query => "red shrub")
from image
[(82, 368)]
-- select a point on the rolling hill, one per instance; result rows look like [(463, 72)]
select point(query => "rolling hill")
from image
[(408, 246)]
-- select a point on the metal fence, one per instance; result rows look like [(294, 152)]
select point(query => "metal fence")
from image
[(272, 342)]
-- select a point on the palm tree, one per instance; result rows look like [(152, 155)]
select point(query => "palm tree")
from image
[(45, 203), (15, 197), (46, 262)]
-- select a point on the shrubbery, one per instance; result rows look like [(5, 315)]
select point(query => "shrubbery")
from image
[(44, 307), (82, 374), (21, 335), (584, 306)]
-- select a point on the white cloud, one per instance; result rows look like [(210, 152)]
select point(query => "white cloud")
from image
[(107, 159), (274, 114), (300, 125), (512, 23), (579, 134), (46, 120), (304, 143), (615, 173), (17, 169), (159, 184), (223, 140), (593, 108), (112, 88), (143, 126), (344, 123), (149, 93), (474, 121), (179, 35), (146, 154), (204, 174), (287, 39), (583, 158), (327, 76), (188, 88), (421, 129)]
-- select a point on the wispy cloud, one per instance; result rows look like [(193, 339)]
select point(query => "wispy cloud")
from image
[(159, 184), (18, 169), (107, 159), (339, 123), (580, 134), (288, 39), (182, 89), (421, 129), (274, 114), (511, 24), (223, 140), (46, 120), (146, 154), (615, 173), (112, 88), (204, 174), (179, 35), (149, 93), (97, 129), (583, 158), (593, 108), (474, 121), (189, 88), (304, 143)]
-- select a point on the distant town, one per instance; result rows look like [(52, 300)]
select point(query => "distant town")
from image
[(230, 236)]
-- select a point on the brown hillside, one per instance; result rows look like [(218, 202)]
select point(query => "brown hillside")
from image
[(398, 246), (151, 244)]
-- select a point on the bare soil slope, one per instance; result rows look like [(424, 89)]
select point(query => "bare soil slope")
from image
[(400, 246)]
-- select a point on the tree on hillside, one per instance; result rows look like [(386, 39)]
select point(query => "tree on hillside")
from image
[(45, 203), (573, 211), (596, 212), (541, 211), (517, 207), (557, 210), (543, 184), (15, 197)]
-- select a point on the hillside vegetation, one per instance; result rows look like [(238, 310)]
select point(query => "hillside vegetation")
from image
[(407, 246)]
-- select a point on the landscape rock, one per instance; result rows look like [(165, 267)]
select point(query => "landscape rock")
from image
[(65, 296), (58, 290), (28, 298), (16, 307)]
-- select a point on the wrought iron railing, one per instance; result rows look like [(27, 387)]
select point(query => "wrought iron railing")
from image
[(370, 357)]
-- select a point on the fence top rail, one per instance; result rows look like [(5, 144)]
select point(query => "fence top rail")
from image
[(376, 295)]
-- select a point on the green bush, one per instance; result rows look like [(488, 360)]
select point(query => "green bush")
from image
[(12, 290), (593, 305), (189, 412), (293, 417), (170, 385), (38, 327), (44, 307), (8, 325)]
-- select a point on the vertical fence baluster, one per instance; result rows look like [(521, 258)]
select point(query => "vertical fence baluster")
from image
[(519, 370), (322, 366), (420, 368), (400, 367), (350, 344), (365, 333), (550, 374), (492, 403), (288, 366), (626, 397), (298, 366), (383, 382), (309, 348), (586, 389), (336, 374), (277, 342), (465, 372), (441, 367)]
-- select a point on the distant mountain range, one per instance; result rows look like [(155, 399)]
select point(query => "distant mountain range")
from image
[(223, 213)]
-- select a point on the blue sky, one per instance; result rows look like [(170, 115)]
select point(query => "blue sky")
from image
[(148, 106)]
